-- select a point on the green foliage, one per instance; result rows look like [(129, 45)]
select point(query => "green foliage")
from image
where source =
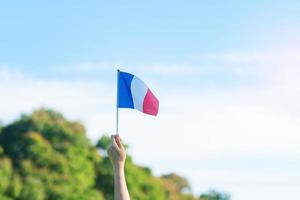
[(1, 151), (45, 156), (177, 187), (33, 189), (181, 184), (142, 184), (6, 171), (51, 159), (104, 142), (214, 195), (3, 197)]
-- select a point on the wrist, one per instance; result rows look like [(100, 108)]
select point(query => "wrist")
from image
[(119, 167), (119, 172)]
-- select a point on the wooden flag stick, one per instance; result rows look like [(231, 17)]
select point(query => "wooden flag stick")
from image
[(117, 104)]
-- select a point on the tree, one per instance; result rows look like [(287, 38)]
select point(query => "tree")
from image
[(180, 183), (103, 143), (177, 187), (52, 157), (214, 195)]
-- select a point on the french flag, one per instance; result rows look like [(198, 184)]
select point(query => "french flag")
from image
[(134, 93)]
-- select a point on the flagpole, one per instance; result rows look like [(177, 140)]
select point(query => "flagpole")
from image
[(117, 103)]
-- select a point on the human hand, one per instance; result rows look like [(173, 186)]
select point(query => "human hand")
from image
[(116, 152)]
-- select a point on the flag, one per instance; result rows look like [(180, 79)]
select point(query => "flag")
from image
[(134, 93)]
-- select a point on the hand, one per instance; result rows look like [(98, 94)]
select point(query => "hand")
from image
[(117, 155), (116, 152)]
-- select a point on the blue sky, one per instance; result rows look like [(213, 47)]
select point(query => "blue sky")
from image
[(43, 34), (226, 73)]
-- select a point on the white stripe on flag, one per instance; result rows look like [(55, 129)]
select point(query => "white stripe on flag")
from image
[(138, 91)]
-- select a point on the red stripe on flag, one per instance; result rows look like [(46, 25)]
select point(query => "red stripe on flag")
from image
[(150, 104)]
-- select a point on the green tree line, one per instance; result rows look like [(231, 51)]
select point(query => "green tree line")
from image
[(45, 156)]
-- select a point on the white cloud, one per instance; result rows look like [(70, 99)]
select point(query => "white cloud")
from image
[(85, 67), (170, 69), (272, 66), (23, 93), (264, 57), (88, 68), (8, 73)]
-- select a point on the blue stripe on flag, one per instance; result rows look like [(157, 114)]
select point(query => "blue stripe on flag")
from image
[(124, 92)]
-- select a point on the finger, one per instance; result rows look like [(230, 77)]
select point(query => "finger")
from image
[(113, 142), (118, 140), (118, 136)]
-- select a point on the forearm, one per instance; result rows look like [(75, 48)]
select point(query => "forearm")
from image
[(121, 191)]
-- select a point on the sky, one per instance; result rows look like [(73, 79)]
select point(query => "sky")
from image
[(226, 74)]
